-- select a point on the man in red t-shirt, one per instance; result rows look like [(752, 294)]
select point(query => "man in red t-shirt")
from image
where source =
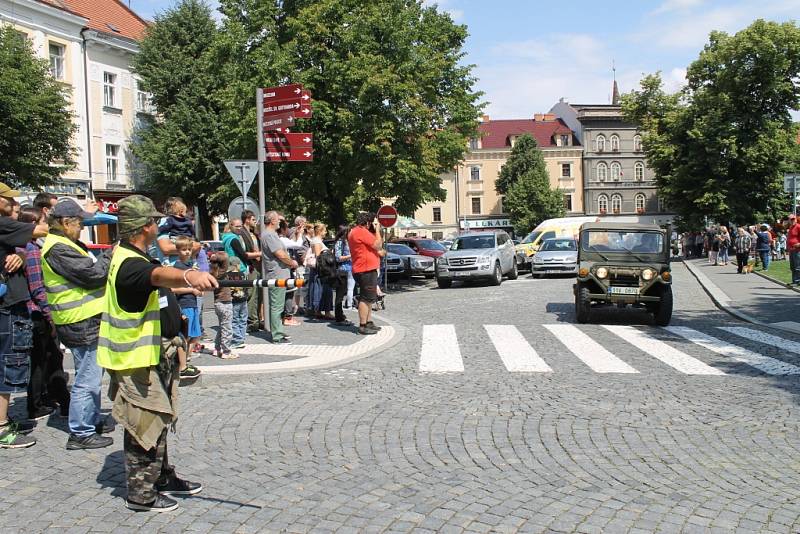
[(793, 247), (366, 250)]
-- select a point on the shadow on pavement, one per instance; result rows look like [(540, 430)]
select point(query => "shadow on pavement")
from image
[(112, 474)]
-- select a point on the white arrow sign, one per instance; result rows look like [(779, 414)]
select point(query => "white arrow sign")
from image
[(243, 173), (307, 154), (307, 139)]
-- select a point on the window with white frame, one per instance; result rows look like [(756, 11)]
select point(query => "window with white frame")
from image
[(637, 143), (476, 205), (638, 171), (112, 163), (143, 101), (616, 203), (602, 203), (437, 214), (566, 170), (602, 171), (474, 144), (615, 143), (616, 171), (475, 173), (600, 143), (565, 140), (56, 61), (568, 201), (640, 201), (109, 90)]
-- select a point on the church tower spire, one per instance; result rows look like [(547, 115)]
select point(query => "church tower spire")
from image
[(615, 89)]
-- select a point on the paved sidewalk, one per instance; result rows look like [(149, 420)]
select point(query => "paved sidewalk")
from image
[(748, 296)]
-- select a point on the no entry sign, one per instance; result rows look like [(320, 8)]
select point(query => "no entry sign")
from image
[(387, 216)]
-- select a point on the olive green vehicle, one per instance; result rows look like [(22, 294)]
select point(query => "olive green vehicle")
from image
[(624, 264)]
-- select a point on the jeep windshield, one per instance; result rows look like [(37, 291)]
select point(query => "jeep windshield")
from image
[(624, 241), (473, 242)]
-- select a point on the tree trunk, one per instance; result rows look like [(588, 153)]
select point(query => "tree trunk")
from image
[(203, 220)]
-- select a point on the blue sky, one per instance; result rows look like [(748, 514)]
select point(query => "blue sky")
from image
[(529, 53)]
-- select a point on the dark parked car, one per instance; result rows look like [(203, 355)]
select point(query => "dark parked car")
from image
[(422, 246), (413, 263)]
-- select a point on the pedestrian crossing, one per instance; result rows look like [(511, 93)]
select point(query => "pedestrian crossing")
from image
[(441, 350)]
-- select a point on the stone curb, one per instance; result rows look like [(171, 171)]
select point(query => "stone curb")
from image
[(310, 357), (775, 280), (720, 299)]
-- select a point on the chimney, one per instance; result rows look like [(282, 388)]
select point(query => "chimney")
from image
[(538, 117), (485, 119)]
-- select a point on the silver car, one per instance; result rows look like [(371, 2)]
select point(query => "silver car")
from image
[(478, 256), (555, 256), (413, 263)]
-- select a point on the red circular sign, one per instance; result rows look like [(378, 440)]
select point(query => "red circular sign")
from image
[(387, 216)]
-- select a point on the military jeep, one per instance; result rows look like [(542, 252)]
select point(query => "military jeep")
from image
[(624, 264)]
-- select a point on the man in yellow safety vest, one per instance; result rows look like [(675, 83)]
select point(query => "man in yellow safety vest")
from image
[(75, 283), (139, 337)]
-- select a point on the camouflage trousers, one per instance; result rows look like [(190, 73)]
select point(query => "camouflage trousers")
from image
[(144, 469)]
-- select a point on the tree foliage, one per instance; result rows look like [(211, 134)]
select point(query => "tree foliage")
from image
[(719, 148), (36, 126), (393, 105), (526, 184)]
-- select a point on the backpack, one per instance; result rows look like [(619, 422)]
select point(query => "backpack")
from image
[(326, 264)]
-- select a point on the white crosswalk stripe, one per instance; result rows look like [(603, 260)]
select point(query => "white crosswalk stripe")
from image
[(663, 352), (515, 351), (440, 351), (771, 366), (588, 350), (763, 337)]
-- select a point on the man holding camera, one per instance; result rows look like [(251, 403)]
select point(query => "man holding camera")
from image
[(366, 250)]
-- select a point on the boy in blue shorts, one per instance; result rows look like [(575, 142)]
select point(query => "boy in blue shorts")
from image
[(187, 300)]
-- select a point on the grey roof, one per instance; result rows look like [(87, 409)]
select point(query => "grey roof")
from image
[(620, 226)]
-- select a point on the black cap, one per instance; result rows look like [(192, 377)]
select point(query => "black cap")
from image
[(67, 207)]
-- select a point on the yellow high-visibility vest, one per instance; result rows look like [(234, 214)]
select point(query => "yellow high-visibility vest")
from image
[(69, 303), (128, 340)]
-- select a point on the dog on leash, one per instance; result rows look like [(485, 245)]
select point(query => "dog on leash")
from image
[(746, 269)]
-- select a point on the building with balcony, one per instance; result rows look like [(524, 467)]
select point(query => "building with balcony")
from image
[(617, 180), (90, 45), (472, 202)]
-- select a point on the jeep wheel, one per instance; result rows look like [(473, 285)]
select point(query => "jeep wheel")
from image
[(443, 283), (497, 277), (514, 273), (583, 303), (663, 312)]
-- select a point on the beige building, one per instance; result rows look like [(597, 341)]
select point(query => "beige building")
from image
[(472, 202), (90, 45)]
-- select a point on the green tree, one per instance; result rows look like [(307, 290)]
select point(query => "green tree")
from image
[(719, 148), (36, 126), (184, 148), (393, 105), (529, 197)]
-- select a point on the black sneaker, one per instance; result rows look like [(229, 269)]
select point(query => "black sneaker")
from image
[(42, 413), (178, 486), (190, 372), (106, 426), (93, 441), (161, 504), (366, 331), (21, 427), (11, 439), (372, 326), (282, 341)]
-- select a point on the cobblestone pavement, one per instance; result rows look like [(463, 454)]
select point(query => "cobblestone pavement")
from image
[(378, 446)]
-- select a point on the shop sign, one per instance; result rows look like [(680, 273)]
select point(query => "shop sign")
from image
[(472, 224)]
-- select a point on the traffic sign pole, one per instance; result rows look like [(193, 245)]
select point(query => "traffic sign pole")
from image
[(262, 199)]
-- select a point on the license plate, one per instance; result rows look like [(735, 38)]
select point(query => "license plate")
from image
[(457, 273), (623, 290)]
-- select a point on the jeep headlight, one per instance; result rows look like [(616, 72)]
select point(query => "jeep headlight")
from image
[(601, 272), (648, 274)]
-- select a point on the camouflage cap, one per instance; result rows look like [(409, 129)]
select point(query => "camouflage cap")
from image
[(134, 212)]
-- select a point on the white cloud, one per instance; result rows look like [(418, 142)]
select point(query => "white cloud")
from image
[(447, 6)]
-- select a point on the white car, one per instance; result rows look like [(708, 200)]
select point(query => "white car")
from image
[(555, 256)]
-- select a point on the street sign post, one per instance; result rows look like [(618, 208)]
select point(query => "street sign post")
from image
[(278, 154), (790, 186), (278, 123), (243, 173), (278, 140), (283, 92), (387, 216)]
